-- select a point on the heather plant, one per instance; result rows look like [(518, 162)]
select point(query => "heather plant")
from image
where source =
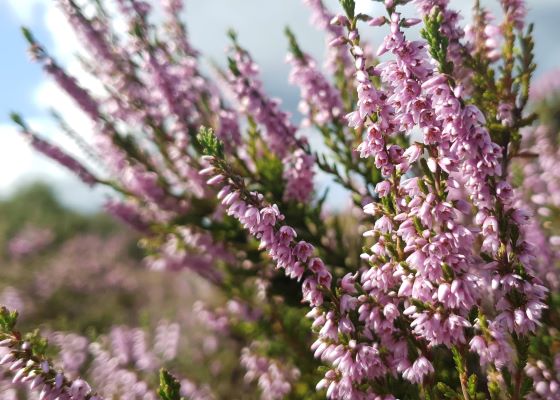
[(437, 281)]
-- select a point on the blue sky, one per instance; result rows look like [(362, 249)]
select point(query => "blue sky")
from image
[(260, 25)]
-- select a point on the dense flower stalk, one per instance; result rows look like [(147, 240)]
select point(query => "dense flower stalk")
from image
[(275, 380), (245, 82), (297, 261), (338, 58), (37, 373), (484, 170), (57, 154), (320, 102), (298, 175), (265, 223)]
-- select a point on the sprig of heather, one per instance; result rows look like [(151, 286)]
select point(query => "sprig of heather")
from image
[(68, 83), (510, 269), (338, 60), (26, 361), (244, 80), (274, 378), (484, 168), (515, 11), (483, 38), (330, 310), (421, 246), (320, 102), (322, 106), (451, 30), (186, 248), (280, 134), (265, 223), (55, 153)]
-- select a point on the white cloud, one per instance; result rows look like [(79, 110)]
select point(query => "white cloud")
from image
[(24, 9)]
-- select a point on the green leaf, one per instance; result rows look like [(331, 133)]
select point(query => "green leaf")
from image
[(233, 67), (210, 144), (471, 386), (447, 271), (8, 320), (507, 380), (437, 42), (39, 344), (28, 35), (294, 47), (494, 390), (458, 359), (18, 120), (349, 7), (446, 391), (232, 35), (169, 386)]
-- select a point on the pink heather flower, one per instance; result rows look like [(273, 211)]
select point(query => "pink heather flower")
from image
[(337, 54), (419, 370), (79, 389), (546, 86), (320, 102), (247, 86), (384, 224), (546, 383), (515, 12), (485, 38), (29, 241), (128, 212), (505, 114), (60, 156), (494, 351), (80, 95), (298, 174)]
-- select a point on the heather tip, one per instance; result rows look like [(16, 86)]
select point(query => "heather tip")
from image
[(26, 32), (18, 120), (294, 47), (210, 144), (232, 34)]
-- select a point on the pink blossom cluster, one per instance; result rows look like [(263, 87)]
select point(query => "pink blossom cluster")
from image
[(118, 363), (280, 133), (40, 376), (60, 156), (436, 300), (191, 250), (546, 379), (441, 279), (29, 241), (338, 60), (102, 260), (274, 379), (247, 86), (484, 37), (546, 86), (319, 102), (264, 223)]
